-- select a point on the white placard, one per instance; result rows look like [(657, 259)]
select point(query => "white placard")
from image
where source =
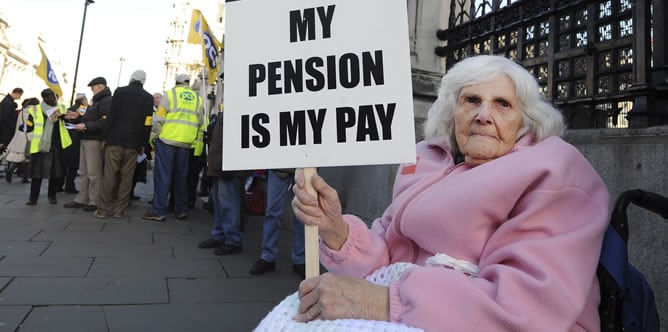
[(317, 83)]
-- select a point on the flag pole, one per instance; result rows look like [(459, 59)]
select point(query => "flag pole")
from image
[(203, 73)]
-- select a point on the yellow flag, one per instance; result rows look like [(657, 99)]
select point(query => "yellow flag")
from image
[(200, 33), (45, 71)]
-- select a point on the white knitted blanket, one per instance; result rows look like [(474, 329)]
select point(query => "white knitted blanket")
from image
[(280, 318)]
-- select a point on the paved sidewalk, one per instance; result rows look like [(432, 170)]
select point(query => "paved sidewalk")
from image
[(65, 270)]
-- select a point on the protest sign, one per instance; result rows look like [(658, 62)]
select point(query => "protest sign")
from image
[(317, 83)]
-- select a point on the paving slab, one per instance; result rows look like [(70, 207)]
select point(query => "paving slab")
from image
[(11, 317), (4, 281), (162, 228), (45, 266), (65, 318), (156, 267), (186, 317), (85, 226), (252, 289), (94, 237), (21, 223), (184, 245), (22, 248), (84, 291), (106, 249), (18, 234)]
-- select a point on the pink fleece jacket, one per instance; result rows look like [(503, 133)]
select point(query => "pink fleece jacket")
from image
[(532, 220)]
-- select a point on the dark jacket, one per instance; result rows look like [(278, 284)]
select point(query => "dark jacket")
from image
[(129, 120), (214, 157), (96, 115), (7, 119)]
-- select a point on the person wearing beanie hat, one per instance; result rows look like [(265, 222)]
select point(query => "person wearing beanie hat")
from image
[(182, 79), (177, 133), (138, 76), (125, 134), (89, 123)]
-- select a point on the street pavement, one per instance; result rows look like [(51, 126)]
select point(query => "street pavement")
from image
[(65, 270)]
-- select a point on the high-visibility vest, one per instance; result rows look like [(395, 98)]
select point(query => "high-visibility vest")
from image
[(38, 128), (182, 121), (198, 145)]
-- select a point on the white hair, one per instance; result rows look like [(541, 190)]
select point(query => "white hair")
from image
[(539, 117)]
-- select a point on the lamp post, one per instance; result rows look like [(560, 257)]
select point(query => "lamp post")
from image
[(120, 69), (76, 69)]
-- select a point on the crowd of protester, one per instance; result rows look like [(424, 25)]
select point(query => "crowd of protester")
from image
[(98, 149)]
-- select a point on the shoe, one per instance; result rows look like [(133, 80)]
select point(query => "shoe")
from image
[(300, 270), (53, 200), (31, 202), (60, 190), (74, 205), (119, 215), (25, 181), (262, 267), (180, 216), (134, 198), (210, 243), (152, 216), (227, 249), (90, 208), (100, 214), (71, 191)]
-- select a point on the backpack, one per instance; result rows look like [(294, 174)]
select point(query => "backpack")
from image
[(627, 300)]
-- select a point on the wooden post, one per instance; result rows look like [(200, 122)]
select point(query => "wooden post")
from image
[(311, 233)]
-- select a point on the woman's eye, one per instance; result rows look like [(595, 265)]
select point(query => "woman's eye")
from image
[(472, 100)]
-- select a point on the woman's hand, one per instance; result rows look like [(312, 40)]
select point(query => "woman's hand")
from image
[(330, 296), (323, 211)]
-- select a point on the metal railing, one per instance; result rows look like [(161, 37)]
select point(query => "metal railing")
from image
[(594, 59)]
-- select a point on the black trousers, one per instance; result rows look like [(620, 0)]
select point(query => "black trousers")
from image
[(36, 185)]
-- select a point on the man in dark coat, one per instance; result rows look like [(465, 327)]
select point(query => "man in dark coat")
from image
[(90, 125), (125, 134), (8, 116)]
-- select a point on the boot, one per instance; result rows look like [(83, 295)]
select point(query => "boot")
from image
[(9, 171)]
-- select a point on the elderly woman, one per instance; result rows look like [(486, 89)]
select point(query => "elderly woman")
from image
[(497, 226)]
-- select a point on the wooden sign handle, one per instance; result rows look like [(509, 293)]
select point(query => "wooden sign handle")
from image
[(311, 233)]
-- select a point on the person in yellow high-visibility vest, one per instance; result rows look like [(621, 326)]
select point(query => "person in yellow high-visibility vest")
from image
[(50, 137), (176, 127)]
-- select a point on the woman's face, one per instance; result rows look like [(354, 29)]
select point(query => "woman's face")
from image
[(487, 120)]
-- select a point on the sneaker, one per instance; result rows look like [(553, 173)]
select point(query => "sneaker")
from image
[(74, 205), (227, 249), (180, 216), (100, 214), (210, 243), (119, 215), (152, 216), (90, 208), (31, 202), (262, 267), (300, 270), (53, 200)]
